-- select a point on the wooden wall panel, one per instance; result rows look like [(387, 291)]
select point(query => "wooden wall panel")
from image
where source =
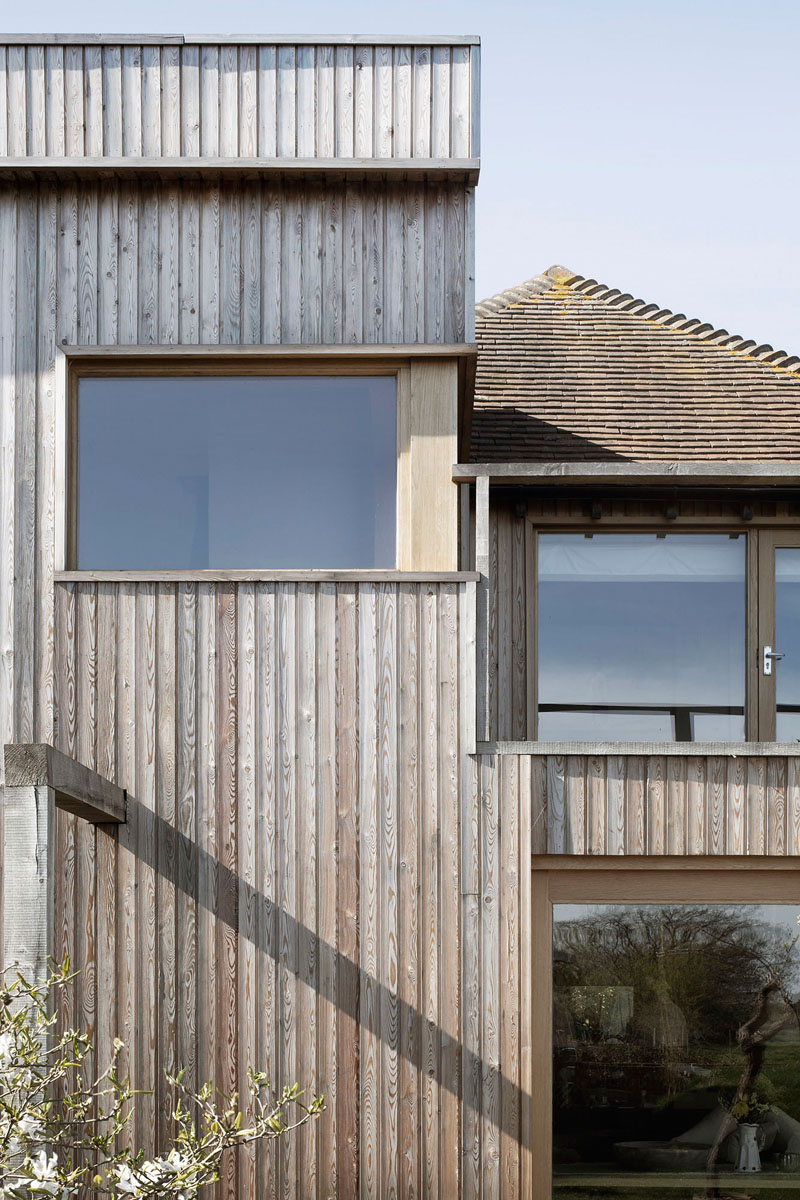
[(228, 263), (287, 889), (667, 804), (239, 101)]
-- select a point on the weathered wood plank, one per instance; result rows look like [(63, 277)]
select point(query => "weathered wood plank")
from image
[(370, 947), (306, 825), (348, 770), (146, 859), (287, 860), (491, 1065), (389, 817), (267, 761), (327, 888), (449, 890), (186, 717), (225, 804), (127, 909), (167, 932), (509, 1001)]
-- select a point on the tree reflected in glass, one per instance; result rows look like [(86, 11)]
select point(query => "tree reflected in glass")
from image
[(674, 1028)]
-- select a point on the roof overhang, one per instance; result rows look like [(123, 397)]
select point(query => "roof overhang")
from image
[(644, 474)]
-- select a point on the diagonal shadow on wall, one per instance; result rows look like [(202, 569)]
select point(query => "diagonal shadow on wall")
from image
[(491, 1094)]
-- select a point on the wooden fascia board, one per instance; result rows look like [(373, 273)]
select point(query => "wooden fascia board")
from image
[(313, 575), (77, 788), (644, 749), (158, 39), (267, 352), (440, 170), (670, 474)]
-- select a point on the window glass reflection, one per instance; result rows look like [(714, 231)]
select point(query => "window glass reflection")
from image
[(675, 1028), (236, 472), (641, 637), (787, 640)]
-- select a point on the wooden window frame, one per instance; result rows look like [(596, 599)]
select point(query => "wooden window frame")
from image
[(762, 538), (768, 542), (576, 879), (427, 432)]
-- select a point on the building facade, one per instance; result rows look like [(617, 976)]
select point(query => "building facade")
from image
[(340, 806)]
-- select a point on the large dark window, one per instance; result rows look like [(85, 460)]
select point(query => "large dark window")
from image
[(665, 1029), (641, 637), (676, 1050), (235, 472)]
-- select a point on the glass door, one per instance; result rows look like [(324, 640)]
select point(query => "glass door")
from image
[(779, 637), (665, 1030), (676, 1050)]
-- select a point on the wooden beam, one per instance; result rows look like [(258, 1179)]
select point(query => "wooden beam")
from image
[(76, 789), (391, 352), (664, 862), (482, 604), (740, 474), (280, 39), (368, 575), (441, 170), (646, 749)]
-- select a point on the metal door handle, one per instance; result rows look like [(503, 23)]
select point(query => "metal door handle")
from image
[(771, 656)]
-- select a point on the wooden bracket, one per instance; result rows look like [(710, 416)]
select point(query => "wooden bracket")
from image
[(76, 788)]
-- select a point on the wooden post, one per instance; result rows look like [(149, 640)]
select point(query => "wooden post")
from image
[(39, 779), (482, 567), (28, 908)]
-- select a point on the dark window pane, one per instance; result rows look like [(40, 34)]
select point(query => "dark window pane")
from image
[(787, 641), (235, 472), (641, 637), (649, 1005)]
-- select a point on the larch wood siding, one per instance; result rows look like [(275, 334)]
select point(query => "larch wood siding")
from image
[(114, 263), (318, 876), (288, 887), (345, 100)]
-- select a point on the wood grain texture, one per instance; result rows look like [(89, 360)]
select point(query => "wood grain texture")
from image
[(93, 98), (318, 876)]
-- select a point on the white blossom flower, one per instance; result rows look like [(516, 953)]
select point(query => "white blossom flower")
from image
[(28, 1126), (43, 1174), (127, 1180), (6, 1045)]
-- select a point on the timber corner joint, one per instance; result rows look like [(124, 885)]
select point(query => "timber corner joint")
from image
[(76, 789)]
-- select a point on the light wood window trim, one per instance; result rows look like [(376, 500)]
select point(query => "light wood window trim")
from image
[(604, 880), (416, 368)]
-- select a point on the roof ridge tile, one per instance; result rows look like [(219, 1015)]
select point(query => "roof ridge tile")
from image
[(559, 279)]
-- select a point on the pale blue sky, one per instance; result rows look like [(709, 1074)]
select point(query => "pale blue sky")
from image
[(653, 147)]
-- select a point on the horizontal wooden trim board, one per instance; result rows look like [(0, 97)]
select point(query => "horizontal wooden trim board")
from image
[(278, 576), (757, 473), (647, 749), (664, 862), (466, 170), (78, 789), (391, 350), (156, 39)]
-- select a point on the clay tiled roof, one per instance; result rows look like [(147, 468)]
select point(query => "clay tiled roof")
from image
[(571, 370)]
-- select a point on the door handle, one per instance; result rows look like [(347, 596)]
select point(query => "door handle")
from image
[(771, 656)]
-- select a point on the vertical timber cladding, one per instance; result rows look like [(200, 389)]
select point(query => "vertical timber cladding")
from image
[(287, 890), (250, 721), (171, 97)]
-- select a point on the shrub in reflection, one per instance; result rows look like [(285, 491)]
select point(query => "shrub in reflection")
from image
[(654, 1005)]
